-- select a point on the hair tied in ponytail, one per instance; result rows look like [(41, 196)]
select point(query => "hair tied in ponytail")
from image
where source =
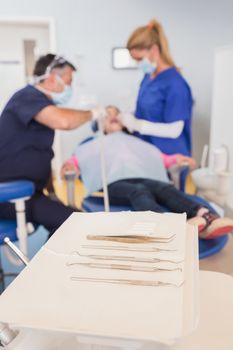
[(151, 25)]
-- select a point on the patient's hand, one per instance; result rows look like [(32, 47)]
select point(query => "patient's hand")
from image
[(68, 166), (184, 160)]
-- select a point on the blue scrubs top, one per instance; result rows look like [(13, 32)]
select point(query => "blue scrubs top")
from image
[(25, 145), (166, 98)]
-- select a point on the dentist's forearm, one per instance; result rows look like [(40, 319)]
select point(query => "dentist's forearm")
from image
[(62, 118)]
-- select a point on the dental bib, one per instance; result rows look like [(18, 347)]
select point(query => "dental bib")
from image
[(126, 157)]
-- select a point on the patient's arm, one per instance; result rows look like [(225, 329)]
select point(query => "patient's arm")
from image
[(70, 165), (182, 160), (175, 164), (178, 159)]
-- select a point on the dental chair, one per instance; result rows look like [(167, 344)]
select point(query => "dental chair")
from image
[(95, 203), (206, 247), (177, 174), (16, 192)]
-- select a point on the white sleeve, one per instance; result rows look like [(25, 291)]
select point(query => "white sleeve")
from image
[(170, 130)]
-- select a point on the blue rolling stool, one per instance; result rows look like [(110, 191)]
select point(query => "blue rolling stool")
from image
[(16, 192), (207, 247)]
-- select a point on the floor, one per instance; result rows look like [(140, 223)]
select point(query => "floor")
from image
[(221, 262)]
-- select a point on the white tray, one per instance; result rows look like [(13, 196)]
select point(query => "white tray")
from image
[(43, 298)]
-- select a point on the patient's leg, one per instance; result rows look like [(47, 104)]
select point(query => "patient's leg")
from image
[(171, 198), (134, 193), (210, 225)]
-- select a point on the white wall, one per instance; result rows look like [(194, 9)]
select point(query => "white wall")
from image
[(222, 109), (88, 29)]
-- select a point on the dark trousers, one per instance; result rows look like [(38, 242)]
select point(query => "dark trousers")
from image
[(40, 210), (144, 194)]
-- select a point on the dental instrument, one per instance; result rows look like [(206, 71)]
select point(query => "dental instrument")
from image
[(127, 281), (131, 238), (103, 168), (126, 258), (123, 267), (126, 248)]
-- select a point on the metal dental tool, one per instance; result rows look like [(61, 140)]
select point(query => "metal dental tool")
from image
[(124, 267), (103, 167), (127, 248), (127, 281), (126, 258), (131, 238)]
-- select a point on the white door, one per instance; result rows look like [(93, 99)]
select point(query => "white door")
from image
[(21, 44)]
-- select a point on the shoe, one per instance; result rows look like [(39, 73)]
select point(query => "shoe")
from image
[(198, 221), (217, 227), (203, 221)]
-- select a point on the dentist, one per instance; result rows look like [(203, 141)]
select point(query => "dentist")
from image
[(27, 127)]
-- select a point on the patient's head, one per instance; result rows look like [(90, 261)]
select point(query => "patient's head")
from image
[(112, 122)]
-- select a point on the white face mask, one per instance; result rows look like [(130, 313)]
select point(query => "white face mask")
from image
[(146, 66), (60, 98)]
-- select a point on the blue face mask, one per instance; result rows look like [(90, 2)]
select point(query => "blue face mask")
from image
[(146, 66), (61, 98)]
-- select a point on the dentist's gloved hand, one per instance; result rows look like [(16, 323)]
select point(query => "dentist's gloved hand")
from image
[(98, 113), (129, 121)]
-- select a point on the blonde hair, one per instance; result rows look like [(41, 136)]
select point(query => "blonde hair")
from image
[(147, 36)]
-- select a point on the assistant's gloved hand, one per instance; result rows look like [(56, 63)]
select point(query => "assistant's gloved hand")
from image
[(129, 121), (98, 113)]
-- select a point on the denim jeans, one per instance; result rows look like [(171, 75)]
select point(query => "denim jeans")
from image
[(145, 194)]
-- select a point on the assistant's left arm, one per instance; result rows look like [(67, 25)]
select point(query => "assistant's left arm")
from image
[(145, 127)]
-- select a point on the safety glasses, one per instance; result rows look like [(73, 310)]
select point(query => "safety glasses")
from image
[(58, 60)]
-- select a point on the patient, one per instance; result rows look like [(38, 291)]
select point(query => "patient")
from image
[(136, 176)]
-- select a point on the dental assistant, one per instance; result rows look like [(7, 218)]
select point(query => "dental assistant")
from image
[(27, 127), (164, 103)]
